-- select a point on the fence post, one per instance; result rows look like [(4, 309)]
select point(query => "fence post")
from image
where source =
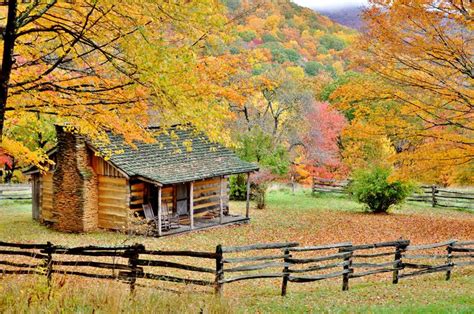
[(449, 260), (346, 268), (49, 262), (434, 190), (133, 255), (399, 249), (286, 274), (219, 270)]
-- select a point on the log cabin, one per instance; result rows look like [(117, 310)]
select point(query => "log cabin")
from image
[(180, 182)]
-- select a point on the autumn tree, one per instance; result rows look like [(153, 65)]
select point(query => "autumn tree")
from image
[(109, 65), (417, 90)]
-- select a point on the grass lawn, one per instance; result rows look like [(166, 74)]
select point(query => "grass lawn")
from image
[(302, 218)]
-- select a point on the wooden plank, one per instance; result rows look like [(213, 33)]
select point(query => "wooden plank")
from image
[(379, 245), (373, 272), (316, 278), (423, 256), (374, 265), (318, 259), (143, 262), (249, 277), (179, 253), (174, 279), (205, 205), (441, 268), (320, 247), (319, 267), (260, 246), (429, 246), (208, 181), (103, 265), (257, 266), (112, 180), (253, 258), (373, 255)]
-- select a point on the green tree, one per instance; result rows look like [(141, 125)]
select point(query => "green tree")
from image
[(329, 41), (373, 188), (312, 68)]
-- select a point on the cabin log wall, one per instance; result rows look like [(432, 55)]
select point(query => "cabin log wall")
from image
[(137, 195), (113, 202), (103, 168), (46, 198), (168, 197), (206, 195)]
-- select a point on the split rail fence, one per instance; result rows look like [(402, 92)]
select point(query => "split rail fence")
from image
[(291, 263), (15, 192), (434, 195)]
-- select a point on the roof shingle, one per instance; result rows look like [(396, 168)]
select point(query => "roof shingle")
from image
[(170, 160)]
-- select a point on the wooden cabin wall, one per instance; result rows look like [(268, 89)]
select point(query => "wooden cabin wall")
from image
[(137, 195), (46, 198), (104, 168), (113, 199), (168, 197), (206, 195), (35, 196)]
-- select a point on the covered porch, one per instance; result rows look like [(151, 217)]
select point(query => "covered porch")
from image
[(188, 206)]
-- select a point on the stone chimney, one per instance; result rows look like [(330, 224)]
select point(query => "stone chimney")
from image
[(75, 202)]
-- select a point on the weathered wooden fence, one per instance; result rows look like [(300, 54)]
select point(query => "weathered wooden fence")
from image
[(15, 192), (432, 194), (137, 266)]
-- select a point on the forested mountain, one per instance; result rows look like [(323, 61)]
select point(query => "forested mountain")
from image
[(292, 34)]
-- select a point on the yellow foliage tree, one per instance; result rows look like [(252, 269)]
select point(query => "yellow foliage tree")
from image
[(418, 91), (110, 65)]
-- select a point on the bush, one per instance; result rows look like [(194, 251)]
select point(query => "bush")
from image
[(313, 68), (238, 187), (373, 188), (268, 38), (248, 36), (329, 41)]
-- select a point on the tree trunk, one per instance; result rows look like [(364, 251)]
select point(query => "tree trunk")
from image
[(7, 61)]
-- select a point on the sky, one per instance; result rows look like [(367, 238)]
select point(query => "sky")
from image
[(324, 4)]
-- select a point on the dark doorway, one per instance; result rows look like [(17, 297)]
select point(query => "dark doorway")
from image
[(182, 199)]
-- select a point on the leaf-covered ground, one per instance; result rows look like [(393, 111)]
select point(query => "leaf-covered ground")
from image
[(302, 218)]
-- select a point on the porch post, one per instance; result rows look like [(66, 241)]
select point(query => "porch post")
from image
[(247, 208), (191, 205), (160, 232), (221, 208)]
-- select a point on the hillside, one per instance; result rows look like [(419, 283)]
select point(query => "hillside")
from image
[(293, 35)]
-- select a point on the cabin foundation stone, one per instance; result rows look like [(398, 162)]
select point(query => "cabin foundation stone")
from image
[(75, 201)]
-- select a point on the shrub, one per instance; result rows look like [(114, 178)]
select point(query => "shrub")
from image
[(373, 188), (313, 68), (248, 36), (269, 38), (329, 41), (238, 187)]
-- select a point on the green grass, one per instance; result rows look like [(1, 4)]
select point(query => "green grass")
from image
[(301, 217)]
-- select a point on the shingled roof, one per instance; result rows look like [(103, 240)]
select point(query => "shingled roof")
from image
[(172, 160)]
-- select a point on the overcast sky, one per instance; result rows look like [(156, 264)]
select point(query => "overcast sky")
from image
[(323, 4)]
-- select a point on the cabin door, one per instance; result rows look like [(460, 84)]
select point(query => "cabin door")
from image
[(182, 198)]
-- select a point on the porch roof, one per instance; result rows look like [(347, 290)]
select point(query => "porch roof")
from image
[(183, 155)]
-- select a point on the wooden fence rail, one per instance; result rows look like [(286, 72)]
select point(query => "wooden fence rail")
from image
[(432, 194), (15, 192), (296, 264)]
